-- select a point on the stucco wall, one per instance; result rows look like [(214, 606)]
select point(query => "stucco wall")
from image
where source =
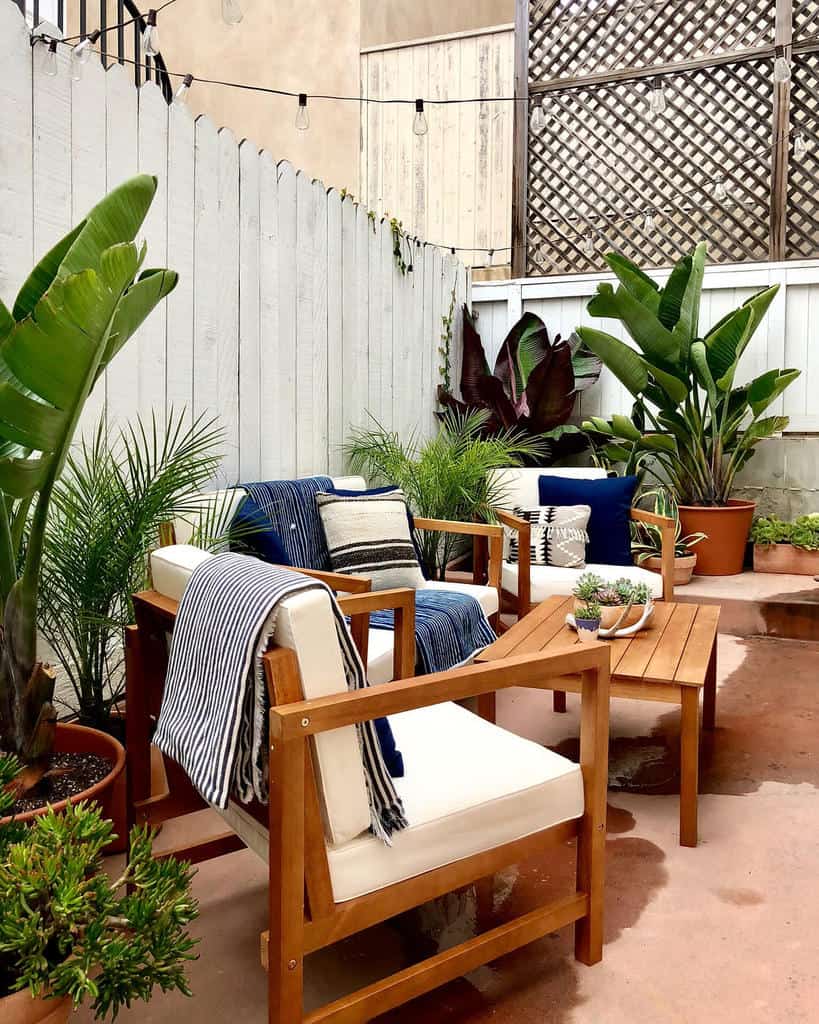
[(385, 21)]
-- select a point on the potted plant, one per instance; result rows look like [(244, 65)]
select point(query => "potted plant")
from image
[(587, 619), (693, 425), (70, 934), (646, 539), (621, 602), (533, 387), (787, 547), (76, 310)]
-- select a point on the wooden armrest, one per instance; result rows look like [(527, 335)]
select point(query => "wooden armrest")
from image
[(537, 671), (337, 581), (377, 600), (668, 543), (641, 515), (450, 526), (402, 600), (524, 530), (511, 520)]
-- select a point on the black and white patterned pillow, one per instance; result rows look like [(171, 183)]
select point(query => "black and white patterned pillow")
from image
[(558, 535), (369, 535)]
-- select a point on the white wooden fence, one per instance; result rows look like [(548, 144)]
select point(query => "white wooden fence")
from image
[(786, 338), (454, 184), (289, 322)]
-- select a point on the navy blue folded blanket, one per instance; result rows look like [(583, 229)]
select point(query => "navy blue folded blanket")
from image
[(449, 628)]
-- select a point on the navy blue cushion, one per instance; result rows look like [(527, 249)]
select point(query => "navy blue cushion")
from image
[(393, 758), (254, 534), (610, 502)]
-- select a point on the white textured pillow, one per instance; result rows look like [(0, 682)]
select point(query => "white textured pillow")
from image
[(369, 535), (558, 535)]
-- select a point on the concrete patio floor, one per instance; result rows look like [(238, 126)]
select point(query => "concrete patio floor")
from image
[(725, 933)]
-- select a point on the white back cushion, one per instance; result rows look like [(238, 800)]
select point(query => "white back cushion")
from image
[(306, 625), (519, 485)]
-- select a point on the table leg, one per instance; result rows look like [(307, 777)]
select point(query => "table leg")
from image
[(559, 700), (709, 697), (486, 706), (689, 763)]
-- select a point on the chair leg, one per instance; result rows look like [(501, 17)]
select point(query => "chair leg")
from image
[(559, 701)]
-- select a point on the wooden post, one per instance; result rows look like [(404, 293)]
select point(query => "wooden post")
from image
[(780, 136), (521, 138)]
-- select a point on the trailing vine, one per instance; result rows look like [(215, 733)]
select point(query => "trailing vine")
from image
[(399, 236), (445, 348)]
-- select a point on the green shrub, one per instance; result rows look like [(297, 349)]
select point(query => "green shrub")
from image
[(803, 532)]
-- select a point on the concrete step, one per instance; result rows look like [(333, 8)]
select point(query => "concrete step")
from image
[(759, 604)]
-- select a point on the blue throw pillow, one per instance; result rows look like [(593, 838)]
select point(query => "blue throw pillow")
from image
[(610, 503), (254, 534), (393, 758)]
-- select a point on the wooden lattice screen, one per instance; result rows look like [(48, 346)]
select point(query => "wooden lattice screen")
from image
[(601, 172)]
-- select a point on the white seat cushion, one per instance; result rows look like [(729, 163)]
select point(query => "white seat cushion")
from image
[(550, 580), (470, 786), (487, 597)]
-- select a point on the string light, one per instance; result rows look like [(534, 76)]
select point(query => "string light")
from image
[(231, 12), (720, 191), (302, 117), (589, 247), (50, 65), (150, 37), (81, 53), (656, 99), (180, 97), (419, 125), (538, 119), (648, 220), (800, 145), (782, 66)]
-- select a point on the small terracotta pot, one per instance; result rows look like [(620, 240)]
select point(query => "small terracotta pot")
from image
[(22, 1008), (109, 792), (587, 630), (683, 567), (785, 558), (726, 529)]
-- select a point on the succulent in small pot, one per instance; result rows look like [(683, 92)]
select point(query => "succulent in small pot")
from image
[(646, 538), (587, 620)]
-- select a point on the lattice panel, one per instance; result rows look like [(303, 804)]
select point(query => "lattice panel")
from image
[(601, 163), (805, 19), (571, 38), (802, 224)]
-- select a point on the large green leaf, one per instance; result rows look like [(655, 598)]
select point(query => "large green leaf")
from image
[(523, 348), (761, 429), (39, 280), (671, 297), (673, 386), (656, 341), (623, 361), (636, 281), (723, 342), (687, 326), (702, 369), (766, 388)]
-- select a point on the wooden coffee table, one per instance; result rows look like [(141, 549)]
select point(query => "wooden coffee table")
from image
[(671, 660)]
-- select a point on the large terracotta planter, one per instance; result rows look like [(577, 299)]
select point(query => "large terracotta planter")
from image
[(21, 1008), (726, 529), (785, 558), (683, 567), (109, 792)]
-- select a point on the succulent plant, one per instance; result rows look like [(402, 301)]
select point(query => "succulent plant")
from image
[(610, 597), (588, 587), (588, 612)]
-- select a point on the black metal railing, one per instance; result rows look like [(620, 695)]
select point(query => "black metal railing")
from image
[(112, 44)]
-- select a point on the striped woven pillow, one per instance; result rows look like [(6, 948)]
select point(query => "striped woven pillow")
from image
[(369, 535), (558, 535)]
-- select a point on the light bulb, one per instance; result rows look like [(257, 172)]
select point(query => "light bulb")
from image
[(302, 117), (180, 97), (544, 252), (50, 65), (800, 145), (419, 125), (648, 220), (453, 258), (538, 119), (720, 191), (231, 12), (589, 248), (490, 257), (656, 99), (782, 66), (150, 37), (81, 54)]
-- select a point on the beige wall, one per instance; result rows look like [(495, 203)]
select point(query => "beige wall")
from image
[(388, 21)]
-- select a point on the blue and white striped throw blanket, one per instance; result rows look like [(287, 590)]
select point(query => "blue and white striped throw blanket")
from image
[(449, 628), (291, 507), (215, 710)]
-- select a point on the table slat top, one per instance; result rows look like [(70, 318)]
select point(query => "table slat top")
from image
[(675, 646)]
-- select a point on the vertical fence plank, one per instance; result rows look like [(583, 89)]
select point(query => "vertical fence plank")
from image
[(150, 342), (227, 299), (51, 165), (122, 394), (182, 213), (354, 333), (249, 313), (207, 268), (269, 453), (335, 351), (319, 457), (16, 230), (289, 411), (304, 353)]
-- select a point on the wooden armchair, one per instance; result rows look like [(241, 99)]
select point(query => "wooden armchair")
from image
[(325, 886)]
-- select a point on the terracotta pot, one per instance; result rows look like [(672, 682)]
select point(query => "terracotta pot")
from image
[(785, 558), (109, 792), (21, 1008), (726, 529), (683, 567)]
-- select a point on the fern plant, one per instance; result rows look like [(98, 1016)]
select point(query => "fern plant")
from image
[(446, 477)]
